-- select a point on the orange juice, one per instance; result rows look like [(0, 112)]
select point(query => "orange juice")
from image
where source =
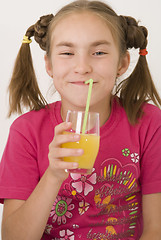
[(90, 144)]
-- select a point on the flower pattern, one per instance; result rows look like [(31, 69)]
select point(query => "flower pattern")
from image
[(83, 183), (61, 210), (135, 157), (48, 228), (125, 152), (83, 207), (72, 198), (66, 235), (71, 192)]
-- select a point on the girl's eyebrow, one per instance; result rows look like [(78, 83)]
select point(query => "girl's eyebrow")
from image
[(100, 42), (65, 44), (93, 44)]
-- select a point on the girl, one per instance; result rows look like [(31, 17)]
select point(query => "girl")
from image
[(121, 198)]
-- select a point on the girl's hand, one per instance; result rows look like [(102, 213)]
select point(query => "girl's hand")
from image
[(57, 166)]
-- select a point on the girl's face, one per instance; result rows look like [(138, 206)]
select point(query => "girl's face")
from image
[(83, 48)]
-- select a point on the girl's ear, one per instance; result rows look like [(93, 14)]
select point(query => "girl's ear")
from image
[(124, 64), (48, 66)]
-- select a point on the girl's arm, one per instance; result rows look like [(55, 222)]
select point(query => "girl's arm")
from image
[(151, 217), (27, 219)]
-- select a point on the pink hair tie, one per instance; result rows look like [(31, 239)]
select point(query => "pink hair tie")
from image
[(143, 52)]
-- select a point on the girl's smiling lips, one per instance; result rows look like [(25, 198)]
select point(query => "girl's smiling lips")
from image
[(80, 83)]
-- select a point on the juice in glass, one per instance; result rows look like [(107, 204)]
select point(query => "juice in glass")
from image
[(90, 144)]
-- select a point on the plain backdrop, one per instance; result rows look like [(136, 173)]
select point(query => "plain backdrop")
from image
[(16, 16)]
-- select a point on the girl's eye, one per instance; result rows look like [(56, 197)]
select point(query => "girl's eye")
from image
[(99, 53), (66, 53)]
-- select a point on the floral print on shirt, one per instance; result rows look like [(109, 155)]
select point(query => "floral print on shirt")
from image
[(109, 203), (61, 210)]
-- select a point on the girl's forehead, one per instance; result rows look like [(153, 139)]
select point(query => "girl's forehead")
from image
[(81, 23), (71, 19)]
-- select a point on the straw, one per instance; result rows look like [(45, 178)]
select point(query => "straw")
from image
[(90, 81)]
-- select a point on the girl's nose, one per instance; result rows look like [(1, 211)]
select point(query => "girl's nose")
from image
[(82, 65)]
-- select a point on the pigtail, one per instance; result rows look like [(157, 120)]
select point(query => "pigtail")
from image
[(23, 87), (139, 87)]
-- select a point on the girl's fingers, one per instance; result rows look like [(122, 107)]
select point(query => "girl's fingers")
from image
[(64, 138), (64, 152), (59, 164), (62, 127), (56, 152)]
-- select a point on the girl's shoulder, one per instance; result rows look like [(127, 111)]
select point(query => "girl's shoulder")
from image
[(36, 118), (149, 107), (150, 123), (151, 112)]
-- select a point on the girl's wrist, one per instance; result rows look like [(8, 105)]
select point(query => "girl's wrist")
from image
[(53, 179)]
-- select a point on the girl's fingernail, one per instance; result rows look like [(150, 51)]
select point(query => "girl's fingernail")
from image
[(80, 151), (76, 137), (75, 165), (68, 124)]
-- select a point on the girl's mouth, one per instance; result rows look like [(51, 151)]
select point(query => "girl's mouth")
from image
[(78, 83), (81, 83)]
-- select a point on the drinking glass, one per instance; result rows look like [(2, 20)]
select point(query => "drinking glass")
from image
[(89, 140)]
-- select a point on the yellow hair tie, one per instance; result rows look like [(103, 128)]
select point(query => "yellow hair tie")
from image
[(26, 40)]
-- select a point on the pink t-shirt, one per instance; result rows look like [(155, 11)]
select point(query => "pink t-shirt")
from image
[(103, 205)]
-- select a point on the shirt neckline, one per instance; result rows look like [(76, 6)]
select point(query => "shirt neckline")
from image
[(55, 109)]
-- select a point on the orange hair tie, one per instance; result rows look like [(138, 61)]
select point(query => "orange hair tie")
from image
[(143, 52)]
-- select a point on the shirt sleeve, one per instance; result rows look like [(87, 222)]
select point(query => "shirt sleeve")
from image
[(19, 173), (150, 175)]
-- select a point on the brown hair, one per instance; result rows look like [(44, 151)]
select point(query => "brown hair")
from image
[(134, 91)]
